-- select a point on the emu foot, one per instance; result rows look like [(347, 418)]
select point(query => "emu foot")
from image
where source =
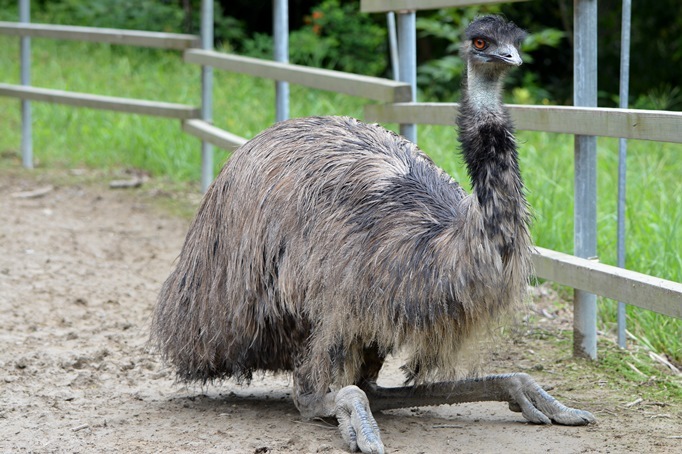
[(356, 423), (521, 392), (537, 406)]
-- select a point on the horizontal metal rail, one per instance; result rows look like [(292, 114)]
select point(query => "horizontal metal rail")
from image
[(128, 105), (590, 121), (637, 289), (324, 79), (383, 6), (102, 35), (212, 134)]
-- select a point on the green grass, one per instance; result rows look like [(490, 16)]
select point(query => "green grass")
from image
[(72, 137), (626, 373)]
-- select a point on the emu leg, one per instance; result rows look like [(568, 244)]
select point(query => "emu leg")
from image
[(356, 423), (520, 390), (351, 408)]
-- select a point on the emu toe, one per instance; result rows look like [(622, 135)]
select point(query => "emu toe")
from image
[(356, 423), (537, 406), (573, 417)]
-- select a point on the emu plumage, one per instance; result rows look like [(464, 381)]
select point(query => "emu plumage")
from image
[(325, 244)]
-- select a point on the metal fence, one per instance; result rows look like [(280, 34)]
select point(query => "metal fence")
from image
[(582, 271)]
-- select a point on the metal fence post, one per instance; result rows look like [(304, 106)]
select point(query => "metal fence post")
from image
[(393, 44), (206, 93), (26, 117), (585, 211), (280, 31), (407, 48), (622, 152)]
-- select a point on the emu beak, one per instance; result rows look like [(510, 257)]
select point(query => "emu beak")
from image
[(509, 55)]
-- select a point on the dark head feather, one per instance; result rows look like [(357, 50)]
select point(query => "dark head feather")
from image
[(496, 29)]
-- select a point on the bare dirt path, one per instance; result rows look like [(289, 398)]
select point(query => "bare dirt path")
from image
[(80, 266)]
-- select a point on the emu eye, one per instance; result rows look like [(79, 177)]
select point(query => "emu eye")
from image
[(480, 43)]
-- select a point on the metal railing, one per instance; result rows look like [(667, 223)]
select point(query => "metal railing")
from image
[(588, 276)]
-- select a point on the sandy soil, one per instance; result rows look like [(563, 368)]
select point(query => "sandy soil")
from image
[(80, 266)]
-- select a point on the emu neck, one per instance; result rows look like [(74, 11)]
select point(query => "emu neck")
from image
[(489, 150), (484, 90)]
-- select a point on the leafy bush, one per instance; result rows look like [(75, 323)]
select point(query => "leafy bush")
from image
[(259, 45), (162, 16), (150, 15), (8, 10), (333, 36), (339, 37), (664, 97)]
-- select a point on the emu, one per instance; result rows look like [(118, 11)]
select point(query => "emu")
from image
[(325, 244)]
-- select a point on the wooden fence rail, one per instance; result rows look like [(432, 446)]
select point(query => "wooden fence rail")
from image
[(175, 41), (128, 105), (648, 292), (212, 134), (590, 121), (324, 79)]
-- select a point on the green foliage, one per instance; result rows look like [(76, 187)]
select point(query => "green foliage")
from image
[(162, 16), (550, 37), (337, 36), (149, 15), (440, 79), (259, 45), (663, 97), (655, 51), (333, 36), (228, 31), (8, 10)]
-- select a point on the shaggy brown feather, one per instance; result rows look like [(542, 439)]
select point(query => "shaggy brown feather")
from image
[(326, 243), (324, 236)]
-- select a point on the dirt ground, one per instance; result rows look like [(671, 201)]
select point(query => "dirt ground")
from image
[(80, 267)]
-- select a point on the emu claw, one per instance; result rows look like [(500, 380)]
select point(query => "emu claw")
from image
[(356, 423), (537, 406)]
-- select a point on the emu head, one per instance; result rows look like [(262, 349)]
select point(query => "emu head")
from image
[(492, 45)]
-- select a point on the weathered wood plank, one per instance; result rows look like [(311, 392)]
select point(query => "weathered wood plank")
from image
[(212, 134), (324, 79), (128, 105), (590, 121), (103, 35), (382, 6), (429, 113), (630, 287)]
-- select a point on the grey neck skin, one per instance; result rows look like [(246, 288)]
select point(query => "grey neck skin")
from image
[(484, 89)]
